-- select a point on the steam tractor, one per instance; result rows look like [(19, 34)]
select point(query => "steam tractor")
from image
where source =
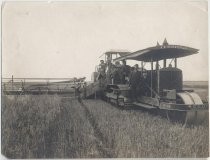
[(162, 86)]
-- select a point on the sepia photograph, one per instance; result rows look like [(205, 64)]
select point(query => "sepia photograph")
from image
[(104, 79)]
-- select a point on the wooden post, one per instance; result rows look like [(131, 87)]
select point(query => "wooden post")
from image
[(164, 63), (158, 76), (142, 65), (151, 75), (175, 63), (74, 89), (22, 84), (157, 65), (12, 82)]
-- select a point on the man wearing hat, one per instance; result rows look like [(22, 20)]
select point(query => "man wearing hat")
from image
[(125, 72), (135, 78), (115, 73), (102, 67)]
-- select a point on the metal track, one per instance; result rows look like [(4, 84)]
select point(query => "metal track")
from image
[(191, 116)]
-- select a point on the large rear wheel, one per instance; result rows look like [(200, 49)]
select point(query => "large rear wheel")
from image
[(191, 116)]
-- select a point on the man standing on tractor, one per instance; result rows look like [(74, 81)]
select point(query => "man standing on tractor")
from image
[(134, 80), (109, 69), (125, 72), (116, 73), (102, 68)]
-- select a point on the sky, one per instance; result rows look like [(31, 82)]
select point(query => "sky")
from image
[(66, 39)]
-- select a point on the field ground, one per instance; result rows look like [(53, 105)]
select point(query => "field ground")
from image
[(196, 83), (49, 126)]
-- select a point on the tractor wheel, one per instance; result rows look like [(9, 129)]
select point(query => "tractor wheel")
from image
[(190, 116)]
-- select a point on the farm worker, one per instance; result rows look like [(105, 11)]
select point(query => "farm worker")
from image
[(102, 68), (125, 71), (115, 73), (142, 83), (135, 77), (78, 91), (102, 73), (84, 89), (109, 69)]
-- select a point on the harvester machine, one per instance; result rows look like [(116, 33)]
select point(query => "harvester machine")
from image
[(161, 87)]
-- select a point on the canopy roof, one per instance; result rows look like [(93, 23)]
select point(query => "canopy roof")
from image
[(120, 52), (159, 52)]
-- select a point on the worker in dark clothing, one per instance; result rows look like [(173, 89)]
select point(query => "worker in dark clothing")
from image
[(102, 73), (102, 69), (135, 78), (142, 84), (125, 72), (115, 73), (109, 69), (78, 92)]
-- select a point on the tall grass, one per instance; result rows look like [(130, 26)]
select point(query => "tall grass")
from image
[(25, 120), (50, 127), (75, 134), (136, 134), (46, 127)]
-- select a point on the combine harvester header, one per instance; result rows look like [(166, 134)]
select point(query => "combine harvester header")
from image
[(22, 86)]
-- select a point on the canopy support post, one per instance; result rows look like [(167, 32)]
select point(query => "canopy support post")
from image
[(142, 65), (164, 63), (151, 75), (175, 62), (158, 76)]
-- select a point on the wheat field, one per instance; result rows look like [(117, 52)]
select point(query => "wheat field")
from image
[(49, 126)]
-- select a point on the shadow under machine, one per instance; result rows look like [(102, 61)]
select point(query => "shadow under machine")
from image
[(162, 87)]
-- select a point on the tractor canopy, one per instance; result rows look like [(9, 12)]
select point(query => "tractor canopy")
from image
[(159, 52)]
